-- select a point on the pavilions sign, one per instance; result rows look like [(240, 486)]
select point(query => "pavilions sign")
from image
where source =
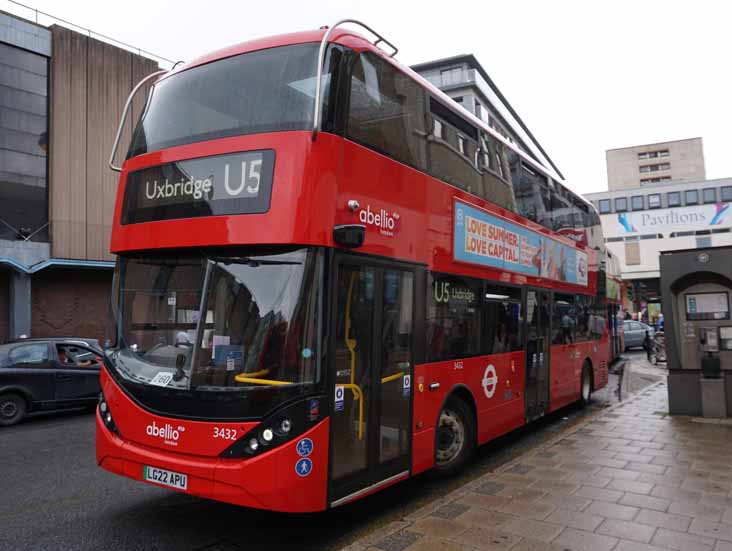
[(663, 219)]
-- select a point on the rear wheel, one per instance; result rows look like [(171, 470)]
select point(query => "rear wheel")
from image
[(455, 437), (586, 385), (12, 409)]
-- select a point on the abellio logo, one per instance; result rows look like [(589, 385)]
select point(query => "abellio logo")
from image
[(387, 223), (167, 433)]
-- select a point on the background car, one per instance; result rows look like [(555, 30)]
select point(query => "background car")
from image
[(635, 333), (43, 374)]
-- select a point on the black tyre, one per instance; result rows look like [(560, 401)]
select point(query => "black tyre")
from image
[(585, 385), (454, 438), (12, 409)]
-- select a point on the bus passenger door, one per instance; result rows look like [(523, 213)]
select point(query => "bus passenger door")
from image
[(371, 373), (537, 308)]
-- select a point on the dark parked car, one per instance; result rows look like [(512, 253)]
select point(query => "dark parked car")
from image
[(635, 333), (42, 374)]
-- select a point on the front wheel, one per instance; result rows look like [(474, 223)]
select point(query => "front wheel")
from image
[(12, 409), (586, 385), (455, 437)]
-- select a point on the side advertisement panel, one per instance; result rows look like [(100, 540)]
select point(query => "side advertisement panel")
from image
[(488, 240)]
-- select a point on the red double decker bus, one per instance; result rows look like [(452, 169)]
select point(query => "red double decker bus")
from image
[(331, 278)]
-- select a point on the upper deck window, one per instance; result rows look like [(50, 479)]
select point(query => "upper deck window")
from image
[(268, 90), (387, 111)]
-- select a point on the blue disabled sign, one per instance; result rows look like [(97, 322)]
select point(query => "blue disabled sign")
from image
[(304, 467), (304, 447)]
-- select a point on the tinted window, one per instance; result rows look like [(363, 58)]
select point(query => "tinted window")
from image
[(454, 318), (636, 202), (453, 154), (386, 111), (501, 319), (533, 198), (621, 204), (604, 206), (493, 163), (23, 144), (727, 193), (709, 195), (29, 354), (674, 198), (564, 319), (692, 197), (268, 90)]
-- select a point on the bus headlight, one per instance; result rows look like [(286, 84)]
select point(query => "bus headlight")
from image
[(279, 428), (106, 415), (285, 425), (267, 435)]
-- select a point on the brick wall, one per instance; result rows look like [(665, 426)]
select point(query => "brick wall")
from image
[(70, 302)]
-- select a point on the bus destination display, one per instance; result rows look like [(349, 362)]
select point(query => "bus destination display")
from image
[(481, 238), (238, 183)]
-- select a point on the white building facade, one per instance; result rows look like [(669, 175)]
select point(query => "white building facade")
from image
[(638, 223)]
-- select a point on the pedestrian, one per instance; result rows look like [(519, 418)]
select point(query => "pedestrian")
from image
[(647, 344)]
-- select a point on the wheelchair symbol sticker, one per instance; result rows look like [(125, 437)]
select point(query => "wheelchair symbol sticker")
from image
[(304, 447), (304, 467)]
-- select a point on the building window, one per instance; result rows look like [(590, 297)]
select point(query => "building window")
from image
[(604, 206), (458, 99), (621, 204), (655, 180), (705, 241), (645, 169), (632, 253), (673, 198), (451, 76), (438, 130), (461, 144), (23, 144), (663, 153), (692, 197), (654, 201), (727, 193), (652, 154), (709, 195), (636, 202)]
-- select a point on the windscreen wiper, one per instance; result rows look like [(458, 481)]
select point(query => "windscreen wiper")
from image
[(251, 262)]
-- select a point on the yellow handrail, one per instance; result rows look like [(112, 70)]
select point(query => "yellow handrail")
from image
[(393, 377), (255, 381), (358, 396), (351, 343)]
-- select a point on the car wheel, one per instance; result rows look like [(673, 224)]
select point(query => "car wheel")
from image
[(12, 409), (586, 385), (454, 438)]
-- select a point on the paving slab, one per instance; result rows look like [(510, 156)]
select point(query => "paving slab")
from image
[(631, 478)]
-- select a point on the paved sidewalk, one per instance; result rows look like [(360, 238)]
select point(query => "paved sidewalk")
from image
[(630, 479)]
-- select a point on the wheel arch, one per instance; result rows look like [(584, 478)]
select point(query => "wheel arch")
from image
[(20, 391), (461, 392)]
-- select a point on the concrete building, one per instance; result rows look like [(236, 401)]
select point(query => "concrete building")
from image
[(61, 96), (640, 165), (641, 222), (466, 81)]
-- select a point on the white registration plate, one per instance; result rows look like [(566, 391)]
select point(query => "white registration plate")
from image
[(166, 478)]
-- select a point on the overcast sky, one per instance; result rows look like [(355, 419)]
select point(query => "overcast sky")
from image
[(584, 76)]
